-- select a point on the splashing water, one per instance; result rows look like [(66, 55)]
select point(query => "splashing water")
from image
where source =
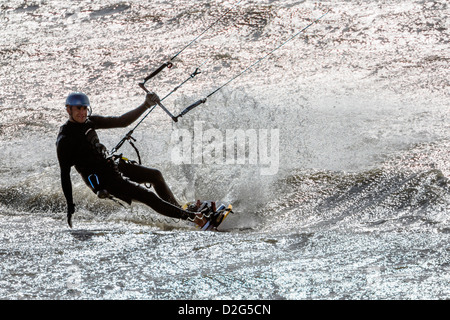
[(350, 121)]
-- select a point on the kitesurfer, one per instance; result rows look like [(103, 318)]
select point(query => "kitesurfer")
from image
[(78, 145)]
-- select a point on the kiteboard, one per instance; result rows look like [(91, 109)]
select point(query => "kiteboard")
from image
[(216, 211)]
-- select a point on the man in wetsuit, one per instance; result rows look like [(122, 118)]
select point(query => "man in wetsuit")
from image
[(78, 145)]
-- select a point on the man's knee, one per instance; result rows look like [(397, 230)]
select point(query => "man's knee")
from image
[(157, 175)]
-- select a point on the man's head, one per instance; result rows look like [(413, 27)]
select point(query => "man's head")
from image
[(77, 106)]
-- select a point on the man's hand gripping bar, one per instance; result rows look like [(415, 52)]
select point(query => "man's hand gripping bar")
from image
[(142, 85)]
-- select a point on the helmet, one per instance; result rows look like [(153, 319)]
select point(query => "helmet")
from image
[(77, 99)]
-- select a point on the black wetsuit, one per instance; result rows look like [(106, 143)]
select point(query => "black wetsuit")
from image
[(78, 145)]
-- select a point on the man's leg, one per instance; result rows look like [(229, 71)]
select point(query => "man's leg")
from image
[(141, 174), (129, 191)]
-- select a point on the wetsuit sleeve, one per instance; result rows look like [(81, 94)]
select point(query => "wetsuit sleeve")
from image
[(65, 164), (124, 120), (66, 185)]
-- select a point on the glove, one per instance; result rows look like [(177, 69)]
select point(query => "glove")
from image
[(151, 99), (70, 211)]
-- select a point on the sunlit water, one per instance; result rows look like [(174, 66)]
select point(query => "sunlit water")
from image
[(355, 204)]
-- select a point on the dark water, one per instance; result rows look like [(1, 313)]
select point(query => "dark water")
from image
[(341, 189)]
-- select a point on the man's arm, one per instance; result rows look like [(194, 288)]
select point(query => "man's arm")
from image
[(65, 164), (66, 184), (67, 190), (127, 118)]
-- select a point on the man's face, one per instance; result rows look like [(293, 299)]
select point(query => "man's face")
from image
[(77, 113)]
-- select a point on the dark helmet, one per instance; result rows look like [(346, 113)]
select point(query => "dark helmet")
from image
[(77, 99)]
